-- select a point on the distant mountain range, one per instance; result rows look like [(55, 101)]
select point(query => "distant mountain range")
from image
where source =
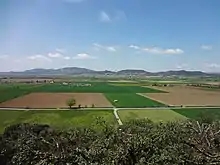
[(84, 71)]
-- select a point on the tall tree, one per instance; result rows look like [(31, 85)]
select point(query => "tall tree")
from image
[(71, 102)]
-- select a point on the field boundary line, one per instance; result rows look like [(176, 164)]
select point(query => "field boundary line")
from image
[(161, 102)]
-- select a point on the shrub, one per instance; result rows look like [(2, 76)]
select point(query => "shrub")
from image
[(135, 142)]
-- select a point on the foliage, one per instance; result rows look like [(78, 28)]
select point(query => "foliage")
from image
[(136, 142), (71, 102), (93, 105)]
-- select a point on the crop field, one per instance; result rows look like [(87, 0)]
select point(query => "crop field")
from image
[(63, 119), (85, 93), (57, 100), (131, 100), (97, 87), (159, 115), (195, 113), (8, 92), (186, 96), (104, 94)]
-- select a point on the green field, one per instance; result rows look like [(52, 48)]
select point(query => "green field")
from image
[(96, 87), (88, 118), (56, 118), (11, 91), (126, 94), (153, 115), (195, 113), (131, 100)]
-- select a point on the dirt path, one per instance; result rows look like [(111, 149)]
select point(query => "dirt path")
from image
[(117, 116)]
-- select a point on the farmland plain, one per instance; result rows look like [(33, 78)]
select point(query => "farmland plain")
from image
[(186, 96), (195, 113), (62, 119), (57, 100), (125, 94), (11, 91), (151, 114), (125, 100), (96, 87)]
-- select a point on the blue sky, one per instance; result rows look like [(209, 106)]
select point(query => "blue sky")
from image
[(154, 35)]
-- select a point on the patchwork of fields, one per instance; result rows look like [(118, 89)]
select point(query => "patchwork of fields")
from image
[(62, 119), (88, 118), (99, 94)]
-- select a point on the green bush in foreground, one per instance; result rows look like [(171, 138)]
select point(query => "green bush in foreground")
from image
[(136, 142)]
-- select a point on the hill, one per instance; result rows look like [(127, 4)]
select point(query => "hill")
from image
[(85, 71)]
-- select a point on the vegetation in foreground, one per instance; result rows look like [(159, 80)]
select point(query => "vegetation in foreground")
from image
[(136, 142)]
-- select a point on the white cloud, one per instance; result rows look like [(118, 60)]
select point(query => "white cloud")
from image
[(206, 47), (99, 47), (157, 50), (134, 47), (83, 56), (58, 55), (104, 17), (67, 58), (39, 57), (55, 55), (116, 16), (111, 49), (213, 65), (4, 56)]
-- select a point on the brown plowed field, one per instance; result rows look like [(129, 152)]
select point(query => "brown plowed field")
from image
[(57, 100), (188, 96)]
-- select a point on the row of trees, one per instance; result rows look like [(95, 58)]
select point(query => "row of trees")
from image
[(71, 102), (137, 142)]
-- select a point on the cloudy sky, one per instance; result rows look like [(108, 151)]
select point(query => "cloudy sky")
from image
[(154, 35)]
